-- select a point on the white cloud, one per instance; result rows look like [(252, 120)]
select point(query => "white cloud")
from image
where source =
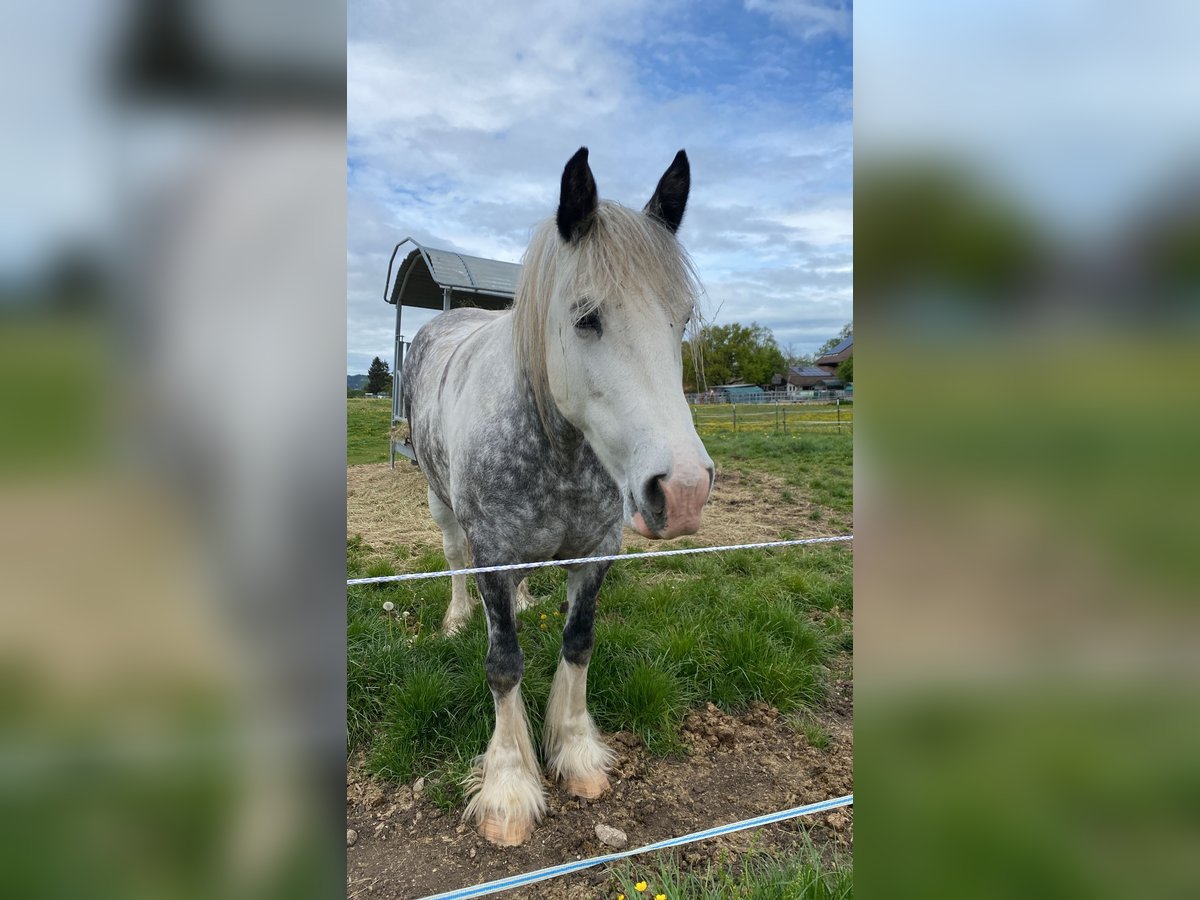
[(458, 131), (808, 20)]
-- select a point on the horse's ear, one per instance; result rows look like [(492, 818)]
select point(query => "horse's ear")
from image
[(578, 199), (670, 197)]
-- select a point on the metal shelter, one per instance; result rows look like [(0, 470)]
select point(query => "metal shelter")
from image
[(439, 279)]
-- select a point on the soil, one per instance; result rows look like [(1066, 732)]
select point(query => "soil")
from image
[(734, 768), (389, 507)]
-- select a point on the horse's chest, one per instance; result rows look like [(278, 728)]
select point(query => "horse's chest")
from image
[(543, 513)]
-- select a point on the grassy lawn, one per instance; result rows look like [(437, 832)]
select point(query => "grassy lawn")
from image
[(54, 420), (768, 417), (816, 464), (728, 628), (368, 422), (803, 875)]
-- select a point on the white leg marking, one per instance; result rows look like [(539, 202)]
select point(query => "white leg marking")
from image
[(505, 784), (458, 613), (525, 598), (574, 751), (458, 555)]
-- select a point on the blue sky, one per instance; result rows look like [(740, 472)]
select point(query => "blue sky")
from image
[(460, 124)]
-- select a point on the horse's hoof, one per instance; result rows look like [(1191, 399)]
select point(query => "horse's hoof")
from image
[(505, 834), (589, 787)]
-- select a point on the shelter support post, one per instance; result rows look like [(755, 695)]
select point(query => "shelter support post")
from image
[(397, 383)]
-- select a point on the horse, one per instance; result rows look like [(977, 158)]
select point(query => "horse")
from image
[(543, 430)]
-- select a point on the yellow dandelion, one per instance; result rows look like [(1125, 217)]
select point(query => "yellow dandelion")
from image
[(557, 614), (620, 897), (543, 617), (542, 626), (660, 897), (640, 886)]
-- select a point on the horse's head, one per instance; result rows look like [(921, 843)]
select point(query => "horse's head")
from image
[(606, 295)]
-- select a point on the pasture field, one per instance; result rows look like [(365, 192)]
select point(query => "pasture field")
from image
[(733, 633), (368, 421), (772, 417)]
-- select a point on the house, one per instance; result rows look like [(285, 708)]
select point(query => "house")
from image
[(740, 393), (836, 356), (811, 378)]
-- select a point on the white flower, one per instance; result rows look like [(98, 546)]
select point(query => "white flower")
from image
[(388, 605)]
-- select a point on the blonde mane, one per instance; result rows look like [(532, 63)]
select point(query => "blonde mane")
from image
[(624, 254)]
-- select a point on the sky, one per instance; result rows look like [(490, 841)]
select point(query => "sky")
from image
[(460, 123), (1082, 111)]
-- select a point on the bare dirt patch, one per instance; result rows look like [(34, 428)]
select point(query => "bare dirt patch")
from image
[(735, 768), (389, 507)]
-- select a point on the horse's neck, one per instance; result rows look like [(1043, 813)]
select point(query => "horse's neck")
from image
[(561, 441)]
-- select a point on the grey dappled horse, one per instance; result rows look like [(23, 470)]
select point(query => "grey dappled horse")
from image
[(543, 430)]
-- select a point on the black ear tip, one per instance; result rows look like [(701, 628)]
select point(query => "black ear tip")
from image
[(577, 199)]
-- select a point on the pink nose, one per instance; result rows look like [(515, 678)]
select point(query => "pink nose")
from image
[(682, 498)]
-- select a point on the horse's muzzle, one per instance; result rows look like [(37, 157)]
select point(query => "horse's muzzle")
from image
[(671, 506)]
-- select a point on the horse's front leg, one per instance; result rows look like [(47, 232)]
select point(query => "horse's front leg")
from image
[(574, 751), (505, 783)]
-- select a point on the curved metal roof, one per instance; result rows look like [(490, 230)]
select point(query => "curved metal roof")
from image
[(426, 273)]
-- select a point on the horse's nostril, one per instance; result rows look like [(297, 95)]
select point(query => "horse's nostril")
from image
[(712, 476), (653, 496)]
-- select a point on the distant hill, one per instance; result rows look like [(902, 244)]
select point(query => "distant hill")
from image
[(356, 382)]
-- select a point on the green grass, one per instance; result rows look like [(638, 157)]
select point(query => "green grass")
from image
[(670, 634), (801, 875), (55, 416), (781, 418), (818, 467), (816, 736), (368, 421), (795, 454)]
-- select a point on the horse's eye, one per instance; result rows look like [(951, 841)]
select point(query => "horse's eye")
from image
[(589, 322)]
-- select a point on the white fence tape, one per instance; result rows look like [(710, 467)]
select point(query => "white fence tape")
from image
[(515, 881), (413, 576)]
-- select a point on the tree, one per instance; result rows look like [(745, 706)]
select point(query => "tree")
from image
[(847, 331), (379, 379), (796, 359), (845, 369), (731, 353)]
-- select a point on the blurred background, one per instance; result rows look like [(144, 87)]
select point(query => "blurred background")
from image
[(1027, 260), (172, 307)]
